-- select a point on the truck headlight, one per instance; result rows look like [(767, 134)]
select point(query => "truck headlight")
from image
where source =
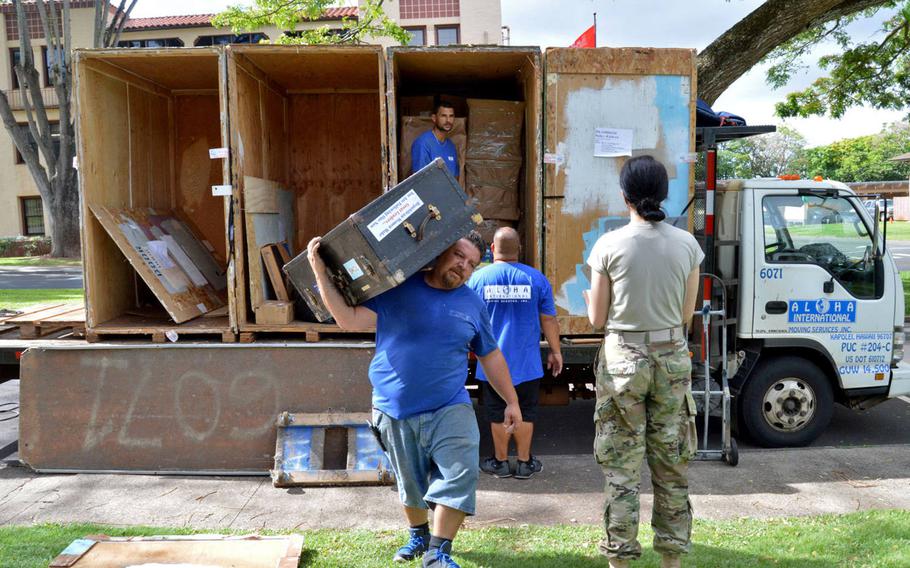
[(897, 346)]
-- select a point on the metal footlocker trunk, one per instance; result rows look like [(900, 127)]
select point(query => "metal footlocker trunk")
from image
[(380, 246)]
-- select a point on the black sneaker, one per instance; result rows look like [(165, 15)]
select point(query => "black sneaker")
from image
[(496, 468), (415, 547), (525, 469)]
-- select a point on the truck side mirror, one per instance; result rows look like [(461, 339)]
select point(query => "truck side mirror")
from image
[(876, 252)]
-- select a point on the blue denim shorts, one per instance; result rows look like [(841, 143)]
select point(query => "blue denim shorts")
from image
[(435, 456)]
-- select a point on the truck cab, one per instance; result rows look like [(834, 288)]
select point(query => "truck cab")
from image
[(818, 310)]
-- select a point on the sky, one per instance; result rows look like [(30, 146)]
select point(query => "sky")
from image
[(648, 23)]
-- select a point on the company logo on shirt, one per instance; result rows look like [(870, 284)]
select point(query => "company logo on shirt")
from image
[(507, 293), (451, 159)]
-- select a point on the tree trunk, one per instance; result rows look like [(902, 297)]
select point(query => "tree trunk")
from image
[(738, 49), (64, 212)]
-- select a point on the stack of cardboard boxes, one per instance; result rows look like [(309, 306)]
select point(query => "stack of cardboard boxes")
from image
[(494, 160)]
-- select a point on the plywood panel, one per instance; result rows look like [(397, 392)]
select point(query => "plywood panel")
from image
[(149, 144), (104, 179), (647, 91), (247, 122), (183, 287), (198, 128), (336, 160), (274, 135)]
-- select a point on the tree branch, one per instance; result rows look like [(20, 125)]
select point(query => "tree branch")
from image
[(738, 49), (119, 30)]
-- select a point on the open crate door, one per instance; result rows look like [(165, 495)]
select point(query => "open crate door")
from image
[(602, 106)]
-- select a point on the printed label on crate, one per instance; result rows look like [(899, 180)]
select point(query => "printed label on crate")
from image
[(216, 153), (513, 293), (353, 269), (822, 310), (396, 214)]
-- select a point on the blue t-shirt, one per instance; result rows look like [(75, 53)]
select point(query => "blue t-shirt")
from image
[(423, 336), (427, 148), (516, 295)]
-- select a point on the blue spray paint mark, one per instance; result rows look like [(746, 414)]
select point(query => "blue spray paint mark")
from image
[(297, 443), (673, 108), (582, 282)]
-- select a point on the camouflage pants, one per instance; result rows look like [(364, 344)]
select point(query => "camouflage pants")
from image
[(644, 406)]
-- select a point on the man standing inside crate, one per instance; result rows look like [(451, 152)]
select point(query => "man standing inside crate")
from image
[(425, 328), (520, 301), (435, 143)]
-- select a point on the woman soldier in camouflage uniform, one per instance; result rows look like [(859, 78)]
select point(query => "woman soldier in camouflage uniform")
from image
[(644, 280)]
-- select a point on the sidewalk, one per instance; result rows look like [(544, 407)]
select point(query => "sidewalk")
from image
[(767, 483)]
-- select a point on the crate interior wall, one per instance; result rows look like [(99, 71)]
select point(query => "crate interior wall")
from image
[(648, 91), (311, 120), (505, 73), (146, 120)]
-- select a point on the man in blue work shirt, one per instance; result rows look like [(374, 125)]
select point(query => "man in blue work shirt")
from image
[(434, 143), (520, 302), (424, 330)]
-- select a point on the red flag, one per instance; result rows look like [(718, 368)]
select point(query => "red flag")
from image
[(587, 39)]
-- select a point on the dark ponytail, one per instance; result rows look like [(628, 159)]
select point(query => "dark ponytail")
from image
[(644, 184)]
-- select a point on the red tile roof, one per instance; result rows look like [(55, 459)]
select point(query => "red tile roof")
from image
[(201, 20)]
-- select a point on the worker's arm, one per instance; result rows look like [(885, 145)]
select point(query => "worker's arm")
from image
[(497, 372), (690, 298), (347, 317), (598, 299), (550, 327)]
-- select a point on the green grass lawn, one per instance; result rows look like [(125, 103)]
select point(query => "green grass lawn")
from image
[(868, 539), (38, 261), (905, 279), (18, 299)]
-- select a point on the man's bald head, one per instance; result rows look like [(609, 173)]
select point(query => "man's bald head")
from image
[(506, 244)]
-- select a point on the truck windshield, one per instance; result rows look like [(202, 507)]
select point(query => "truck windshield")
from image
[(821, 230)]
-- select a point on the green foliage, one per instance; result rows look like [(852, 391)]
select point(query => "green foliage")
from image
[(24, 246), (768, 155), (868, 71), (869, 539), (860, 159), (371, 21)]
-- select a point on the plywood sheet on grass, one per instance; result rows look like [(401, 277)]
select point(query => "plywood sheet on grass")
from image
[(202, 551), (180, 273)]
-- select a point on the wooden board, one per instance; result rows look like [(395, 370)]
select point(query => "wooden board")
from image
[(185, 550), (271, 259), (197, 408), (183, 289), (648, 91), (335, 170), (271, 219)]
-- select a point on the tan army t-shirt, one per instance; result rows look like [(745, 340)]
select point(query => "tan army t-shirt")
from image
[(648, 264)]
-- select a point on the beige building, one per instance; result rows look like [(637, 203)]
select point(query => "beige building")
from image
[(430, 22)]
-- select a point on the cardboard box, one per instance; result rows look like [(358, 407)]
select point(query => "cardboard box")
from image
[(272, 312), (494, 129), (494, 186)]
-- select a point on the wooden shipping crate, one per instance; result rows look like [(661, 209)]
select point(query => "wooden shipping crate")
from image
[(503, 73), (648, 92), (308, 148), (146, 120)]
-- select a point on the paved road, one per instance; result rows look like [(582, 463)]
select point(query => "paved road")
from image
[(901, 252), (33, 277)]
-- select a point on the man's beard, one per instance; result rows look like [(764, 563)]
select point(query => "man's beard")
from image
[(452, 280)]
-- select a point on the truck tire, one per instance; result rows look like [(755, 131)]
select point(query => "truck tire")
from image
[(787, 402)]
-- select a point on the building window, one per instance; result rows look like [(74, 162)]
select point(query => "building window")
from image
[(14, 57), (166, 42), (447, 35), (418, 35), (48, 56), (55, 137), (204, 41), (32, 216)]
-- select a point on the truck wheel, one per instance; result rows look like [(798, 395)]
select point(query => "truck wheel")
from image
[(788, 402)]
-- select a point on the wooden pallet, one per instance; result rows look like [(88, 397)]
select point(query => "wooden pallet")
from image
[(161, 329), (41, 320), (311, 332)]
